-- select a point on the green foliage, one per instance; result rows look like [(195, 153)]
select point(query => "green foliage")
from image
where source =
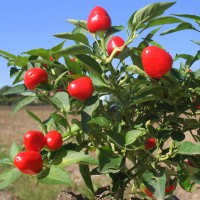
[(138, 108)]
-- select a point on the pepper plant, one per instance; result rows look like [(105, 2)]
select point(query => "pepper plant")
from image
[(129, 101)]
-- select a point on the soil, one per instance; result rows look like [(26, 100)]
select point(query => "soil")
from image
[(21, 122)]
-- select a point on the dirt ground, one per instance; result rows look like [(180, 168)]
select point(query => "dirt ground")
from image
[(12, 127)]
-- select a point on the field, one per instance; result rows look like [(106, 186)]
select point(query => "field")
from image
[(12, 128)]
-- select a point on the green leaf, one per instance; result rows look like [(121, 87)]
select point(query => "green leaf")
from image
[(155, 181), (101, 121), (196, 42), (61, 100), (136, 70), (7, 54), (147, 13), (113, 29), (37, 120), (60, 78), (109, 161), (73, 50), (14, 150), (197, 74), (162, 21), (89, 63), (195, 17), (13, 72), (57, 47), (189, 148), (133, 135), (73, 157), (85, 173), (86, 114), (196, 177), (73, 66), (8, 177), (57, 175), (21, 61), (78, 37), (180, 27), (18, 89), (184, 179), (39, 52), (78, 23), (6, 161), (97, 81), (60, 120), (20, 76), (23, 102)]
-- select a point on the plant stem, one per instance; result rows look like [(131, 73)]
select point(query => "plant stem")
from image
[(103, 47)]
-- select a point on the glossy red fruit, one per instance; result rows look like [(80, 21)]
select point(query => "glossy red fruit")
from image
[(170, 188), (156, 61), (53, 140), (28, 162), (34, 140), (81, 88), (114, 42), (150, 144), (33, 77), (98, 20), (148, 193), (73, 59), (51, 58)]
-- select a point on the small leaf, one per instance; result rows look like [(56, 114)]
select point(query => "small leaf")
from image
[(89, 63), (14, 150), (57, 47), (155, 181), (21, 61), (20, 76), (109, 162), (73, 157), (39, 52), (73, 50), (78, 37), (97, 81), (16, 89), (162, 21), (148, 13), (57, 175), (136, 70), (113, 29), (5, 53), (6, 161), (85, 172), (195, 17), (60, 120), (78, 23), (8, 177), (184, 179), (61, 100), (73, 65), (196, 42), (180, 27), (133, 135), (23, 102), (37, 119), (101, 121), (13, 72), (86, 114), (189, 148)]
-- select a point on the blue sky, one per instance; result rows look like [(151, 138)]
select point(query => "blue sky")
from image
[(27, 25)]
